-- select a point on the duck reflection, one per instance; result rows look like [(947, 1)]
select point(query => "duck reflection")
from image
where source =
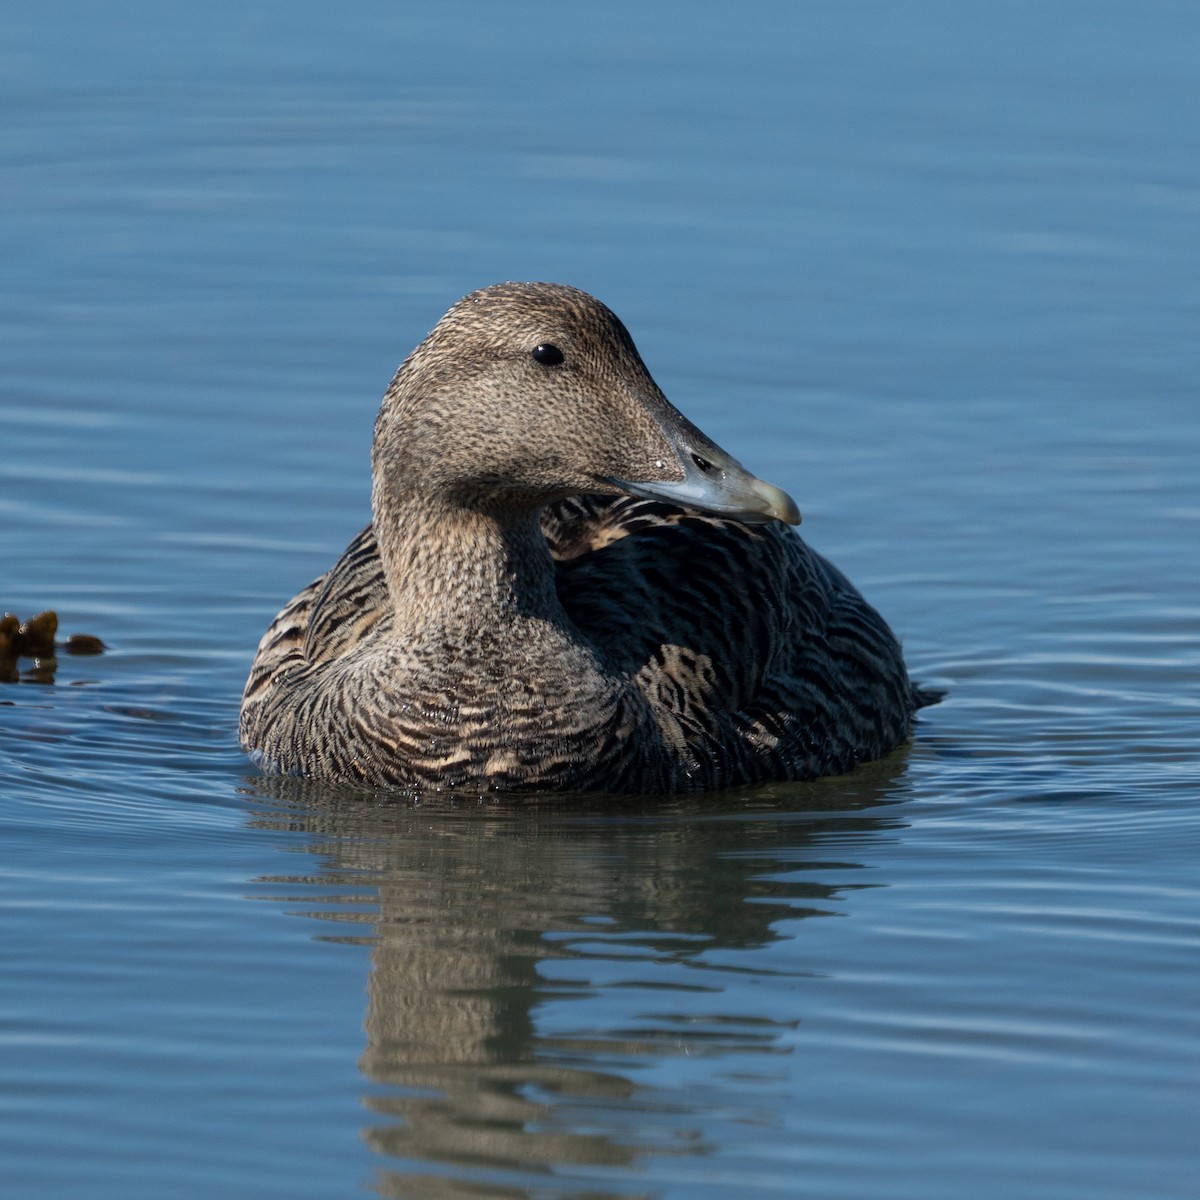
[(533, 963)]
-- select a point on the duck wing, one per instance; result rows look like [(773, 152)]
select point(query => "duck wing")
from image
[(336, 612), (767, 661)]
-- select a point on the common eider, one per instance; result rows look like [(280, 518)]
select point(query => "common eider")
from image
[(566, 586)]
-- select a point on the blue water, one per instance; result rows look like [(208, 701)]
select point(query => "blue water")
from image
[(934, 269)]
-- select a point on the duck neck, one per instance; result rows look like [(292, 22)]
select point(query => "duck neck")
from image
[(461, 570)]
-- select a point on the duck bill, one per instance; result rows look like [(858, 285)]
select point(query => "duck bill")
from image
[(717, 484)]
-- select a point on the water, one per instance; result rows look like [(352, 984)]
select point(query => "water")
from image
[(931, 268)]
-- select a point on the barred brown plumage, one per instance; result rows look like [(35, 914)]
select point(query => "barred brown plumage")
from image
[(566, 586)]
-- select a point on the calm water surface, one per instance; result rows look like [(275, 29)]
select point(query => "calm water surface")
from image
[(933, 269)]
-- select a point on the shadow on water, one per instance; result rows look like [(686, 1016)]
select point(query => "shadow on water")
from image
[(534, 964)]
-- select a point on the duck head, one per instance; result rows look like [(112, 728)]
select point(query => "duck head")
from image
[(525, 393)]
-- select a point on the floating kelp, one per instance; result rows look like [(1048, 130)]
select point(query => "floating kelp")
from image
[(35, 639)]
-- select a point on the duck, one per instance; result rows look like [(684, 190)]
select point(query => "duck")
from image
[(567, 587)]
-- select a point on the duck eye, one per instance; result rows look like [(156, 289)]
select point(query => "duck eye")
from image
[(547, 354)]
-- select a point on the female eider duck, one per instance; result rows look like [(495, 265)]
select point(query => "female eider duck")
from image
[(566, 586)]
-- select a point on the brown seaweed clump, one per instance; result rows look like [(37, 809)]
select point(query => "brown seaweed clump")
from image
[(35, 639)]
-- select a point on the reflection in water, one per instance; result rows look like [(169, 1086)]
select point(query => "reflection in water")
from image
[(541, 971)]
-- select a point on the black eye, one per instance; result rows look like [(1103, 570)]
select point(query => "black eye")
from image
[(547, 355)]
